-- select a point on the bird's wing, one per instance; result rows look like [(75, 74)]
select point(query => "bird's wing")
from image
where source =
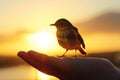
[(78, 36)]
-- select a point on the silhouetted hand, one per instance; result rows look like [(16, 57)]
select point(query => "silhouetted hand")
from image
[(88, 68)]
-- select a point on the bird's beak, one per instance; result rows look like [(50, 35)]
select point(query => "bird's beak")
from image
[(52, 24)]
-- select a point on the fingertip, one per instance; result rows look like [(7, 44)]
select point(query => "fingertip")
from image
[(31, 51), (20, 53)]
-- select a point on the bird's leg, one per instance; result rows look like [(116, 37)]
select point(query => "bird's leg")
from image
[(63, 54), (75, 53)]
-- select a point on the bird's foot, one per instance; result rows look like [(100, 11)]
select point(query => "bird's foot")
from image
[(75, 56)]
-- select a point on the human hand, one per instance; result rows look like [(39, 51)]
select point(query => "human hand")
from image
[(65, 68)]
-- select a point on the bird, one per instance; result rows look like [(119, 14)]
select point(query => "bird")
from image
[(68, 36)]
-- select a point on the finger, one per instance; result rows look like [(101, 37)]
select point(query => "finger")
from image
[(52, 65), (46, 60), (41, 58), (40, 62), (27, 58)]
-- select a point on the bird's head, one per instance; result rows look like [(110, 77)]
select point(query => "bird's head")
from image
[(62, 24)]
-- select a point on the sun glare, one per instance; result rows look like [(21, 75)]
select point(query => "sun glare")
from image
[(42, 40), (43, 76)]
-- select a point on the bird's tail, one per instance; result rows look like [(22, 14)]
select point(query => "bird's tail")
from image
[(82, 51)]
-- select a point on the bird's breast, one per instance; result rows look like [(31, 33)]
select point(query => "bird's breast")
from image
[(65, 35), (67, 39)]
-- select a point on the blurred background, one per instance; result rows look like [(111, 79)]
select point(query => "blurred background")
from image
[(25, 25)]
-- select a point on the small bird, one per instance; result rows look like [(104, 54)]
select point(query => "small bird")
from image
[(68, 36)]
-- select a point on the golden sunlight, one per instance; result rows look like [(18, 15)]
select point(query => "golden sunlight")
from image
[(43, 76), (102, 42), (42, 40)]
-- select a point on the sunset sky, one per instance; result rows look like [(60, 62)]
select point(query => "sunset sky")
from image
[(25, 24)]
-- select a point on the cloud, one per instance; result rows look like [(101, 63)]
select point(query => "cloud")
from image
[(107, 23), (16, 36)]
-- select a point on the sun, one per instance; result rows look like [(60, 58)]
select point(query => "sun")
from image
[(42, 40)]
